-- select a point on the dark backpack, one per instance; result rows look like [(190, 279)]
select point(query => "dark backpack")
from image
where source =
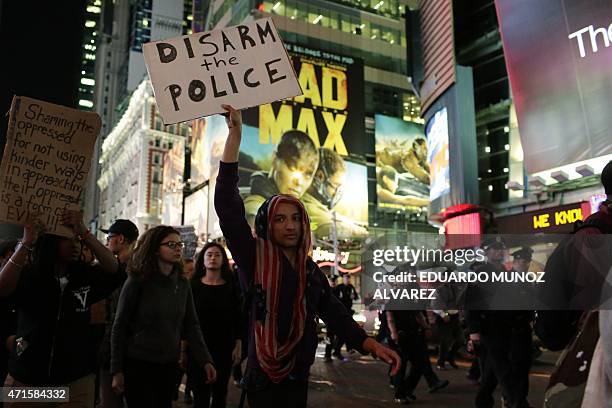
[(558, 324)]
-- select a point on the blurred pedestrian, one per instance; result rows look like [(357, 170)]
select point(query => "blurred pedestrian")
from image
[(502, 339), (450, 335), (409, 330), (188, 268), (347, 294), (333, 342)]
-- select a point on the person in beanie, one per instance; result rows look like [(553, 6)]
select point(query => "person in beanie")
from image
[(288, 289)]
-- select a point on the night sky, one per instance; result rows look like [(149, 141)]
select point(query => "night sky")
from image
[(40, 43), (40, 53)]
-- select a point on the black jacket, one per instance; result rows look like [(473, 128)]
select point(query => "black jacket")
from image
[(481, 317), (151, 316), (54, 343)]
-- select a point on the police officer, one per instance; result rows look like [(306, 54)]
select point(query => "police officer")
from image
[(502, 339), (522, 259)]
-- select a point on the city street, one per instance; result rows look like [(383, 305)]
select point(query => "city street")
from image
[(362, 382), (179, 176)]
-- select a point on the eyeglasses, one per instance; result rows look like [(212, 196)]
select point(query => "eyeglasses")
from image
[(173, 245), (109, 237)]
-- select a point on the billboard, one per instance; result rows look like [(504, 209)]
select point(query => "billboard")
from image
[(559, 68), (331, 109), (172, 184), (209, 142), (402, 170), (319, 177), (199, 168), (300, 147), (436, 132)]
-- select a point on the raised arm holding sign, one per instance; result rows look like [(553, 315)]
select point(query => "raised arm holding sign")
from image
[(243, 66), (46, 161)]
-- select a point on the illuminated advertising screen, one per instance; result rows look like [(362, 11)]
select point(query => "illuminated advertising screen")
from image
[(437, 154), (402, 170), (199, 167), (321, 178), (558, 58), (331, 109), (300, 147), (172, 184)]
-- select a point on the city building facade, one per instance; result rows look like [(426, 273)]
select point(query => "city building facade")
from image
[(121, 27), (132, 160)]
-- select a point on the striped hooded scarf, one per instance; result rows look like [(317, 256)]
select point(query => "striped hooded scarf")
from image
[(277, 360)]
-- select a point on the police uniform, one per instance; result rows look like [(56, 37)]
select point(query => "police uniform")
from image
[(506, 345)]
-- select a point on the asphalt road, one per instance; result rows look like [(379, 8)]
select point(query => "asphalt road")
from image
[(361, 381)]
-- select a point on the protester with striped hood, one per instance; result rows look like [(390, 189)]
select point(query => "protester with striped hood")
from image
[(287, 291)]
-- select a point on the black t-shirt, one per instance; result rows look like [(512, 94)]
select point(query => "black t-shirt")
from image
[(57, 343), (218, 309)]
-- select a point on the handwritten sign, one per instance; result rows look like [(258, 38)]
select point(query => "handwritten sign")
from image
[(46, 161), (242, 66), (189, 237)]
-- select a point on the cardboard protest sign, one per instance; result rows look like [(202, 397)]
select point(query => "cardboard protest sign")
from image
[(189, 237), (242, 66), (46, 161)]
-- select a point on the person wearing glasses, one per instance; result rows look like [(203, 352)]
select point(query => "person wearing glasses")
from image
[(324, 194), (155, 309), (121, 239)]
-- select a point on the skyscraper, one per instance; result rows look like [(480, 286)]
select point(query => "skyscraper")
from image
[(88, 61), (119, 69)]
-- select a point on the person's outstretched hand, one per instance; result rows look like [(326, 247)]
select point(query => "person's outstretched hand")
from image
[(384, 353), (233, 117), (118, 384), (211, 373)]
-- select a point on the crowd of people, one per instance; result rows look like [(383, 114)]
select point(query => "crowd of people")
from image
[(121, 324)]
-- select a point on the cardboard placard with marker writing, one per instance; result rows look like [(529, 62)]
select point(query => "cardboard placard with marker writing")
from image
[(46, 162), (242, 66)]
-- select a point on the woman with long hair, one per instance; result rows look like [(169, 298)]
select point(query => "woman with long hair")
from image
[(217, 302), (53, 290), (155, 308)]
